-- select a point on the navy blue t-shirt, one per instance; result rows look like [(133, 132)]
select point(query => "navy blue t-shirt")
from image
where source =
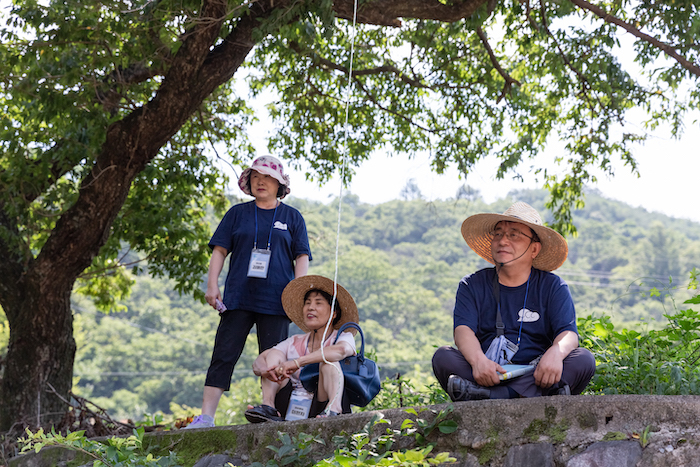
[(236, 233), (549, 311)]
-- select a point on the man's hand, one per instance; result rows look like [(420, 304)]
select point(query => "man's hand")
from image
[(549, 368), (486, 372), (212, 294), (551, 365)]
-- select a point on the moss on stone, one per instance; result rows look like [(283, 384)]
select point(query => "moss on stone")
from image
[(255, 450), (535, 429), (58, 456), (615, 436), (547, 427), (587, 420), (550, 412), (489, 450), (558, 432), (193, 446)]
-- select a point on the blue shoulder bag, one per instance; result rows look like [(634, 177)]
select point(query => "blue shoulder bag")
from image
[(361, 375)]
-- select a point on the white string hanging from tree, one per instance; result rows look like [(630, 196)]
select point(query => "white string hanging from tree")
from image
[(343, 169)]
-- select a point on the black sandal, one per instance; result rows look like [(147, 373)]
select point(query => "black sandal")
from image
[(263, 413)]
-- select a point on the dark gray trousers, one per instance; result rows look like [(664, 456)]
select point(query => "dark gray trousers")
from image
[(579, 368)]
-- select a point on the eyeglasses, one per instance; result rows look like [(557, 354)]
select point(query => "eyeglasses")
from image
[(512, 235)]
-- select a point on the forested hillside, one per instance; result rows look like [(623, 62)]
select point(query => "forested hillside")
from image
[(401, 261)]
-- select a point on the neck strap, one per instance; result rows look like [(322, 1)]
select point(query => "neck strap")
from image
[(269, 238)]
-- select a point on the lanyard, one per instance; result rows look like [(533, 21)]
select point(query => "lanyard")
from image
[(269, 238), (522, 318)]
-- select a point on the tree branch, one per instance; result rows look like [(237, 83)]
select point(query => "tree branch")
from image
[(510, 81), (666, 48), (131, 144), (585, 85), (386, 68), (390, 12), (373, 100)]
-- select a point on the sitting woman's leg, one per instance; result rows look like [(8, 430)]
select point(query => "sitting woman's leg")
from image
[(267, 410), (330, 385), (271, 388)]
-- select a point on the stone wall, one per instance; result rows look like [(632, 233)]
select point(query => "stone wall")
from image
[(570, 431)]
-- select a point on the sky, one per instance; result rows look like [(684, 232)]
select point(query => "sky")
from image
[(668, 182)]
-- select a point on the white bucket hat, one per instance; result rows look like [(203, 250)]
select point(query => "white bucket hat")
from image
[(477, 229), (266, 165)]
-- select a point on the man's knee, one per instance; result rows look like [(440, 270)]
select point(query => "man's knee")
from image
[(441, 354), (580, 368), (582, 359), (442, 357), (449, 361)]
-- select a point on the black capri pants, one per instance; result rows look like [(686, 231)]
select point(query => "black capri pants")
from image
[(231, 335)]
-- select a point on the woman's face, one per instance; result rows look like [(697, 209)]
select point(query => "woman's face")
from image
[(316, 311), (263, 186)]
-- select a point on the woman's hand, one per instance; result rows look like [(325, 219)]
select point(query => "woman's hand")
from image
[(216, 264), (284, 370), (266, 364), (271, 374), (212, 294)]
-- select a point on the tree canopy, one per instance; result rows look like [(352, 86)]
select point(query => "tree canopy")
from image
[(108, 109)]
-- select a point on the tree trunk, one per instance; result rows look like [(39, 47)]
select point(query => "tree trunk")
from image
[(39, 362)]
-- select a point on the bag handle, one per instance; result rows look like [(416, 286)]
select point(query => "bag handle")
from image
[(350, 324), (500, 327)]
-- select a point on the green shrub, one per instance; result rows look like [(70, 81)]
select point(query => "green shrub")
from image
[(646, 361)]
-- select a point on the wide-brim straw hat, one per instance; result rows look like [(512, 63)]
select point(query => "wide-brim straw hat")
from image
[(477, 229), (266, 165), (293, 300)]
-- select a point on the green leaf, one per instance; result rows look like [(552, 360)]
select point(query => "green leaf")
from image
[(448, 426)]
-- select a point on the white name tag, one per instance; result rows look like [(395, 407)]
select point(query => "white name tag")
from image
[(299, 405), (259, 263)]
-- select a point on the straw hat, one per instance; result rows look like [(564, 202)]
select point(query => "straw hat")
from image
[(293, 300), (477, 229), (266, 165)]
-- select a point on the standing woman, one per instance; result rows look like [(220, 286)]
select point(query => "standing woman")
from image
[(269, 247)]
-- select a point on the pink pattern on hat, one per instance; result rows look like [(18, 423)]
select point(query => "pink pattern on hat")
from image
[(266, 165)]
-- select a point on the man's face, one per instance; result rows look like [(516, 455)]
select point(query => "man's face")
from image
[(512, 243)]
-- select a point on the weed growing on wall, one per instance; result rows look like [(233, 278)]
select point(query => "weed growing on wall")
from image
[(111, 452)]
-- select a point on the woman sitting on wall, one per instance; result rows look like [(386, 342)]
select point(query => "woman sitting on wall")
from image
[(307, 302)]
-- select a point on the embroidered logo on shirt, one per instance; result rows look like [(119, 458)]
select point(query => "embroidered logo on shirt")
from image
[(527, 316), (280, 226)]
